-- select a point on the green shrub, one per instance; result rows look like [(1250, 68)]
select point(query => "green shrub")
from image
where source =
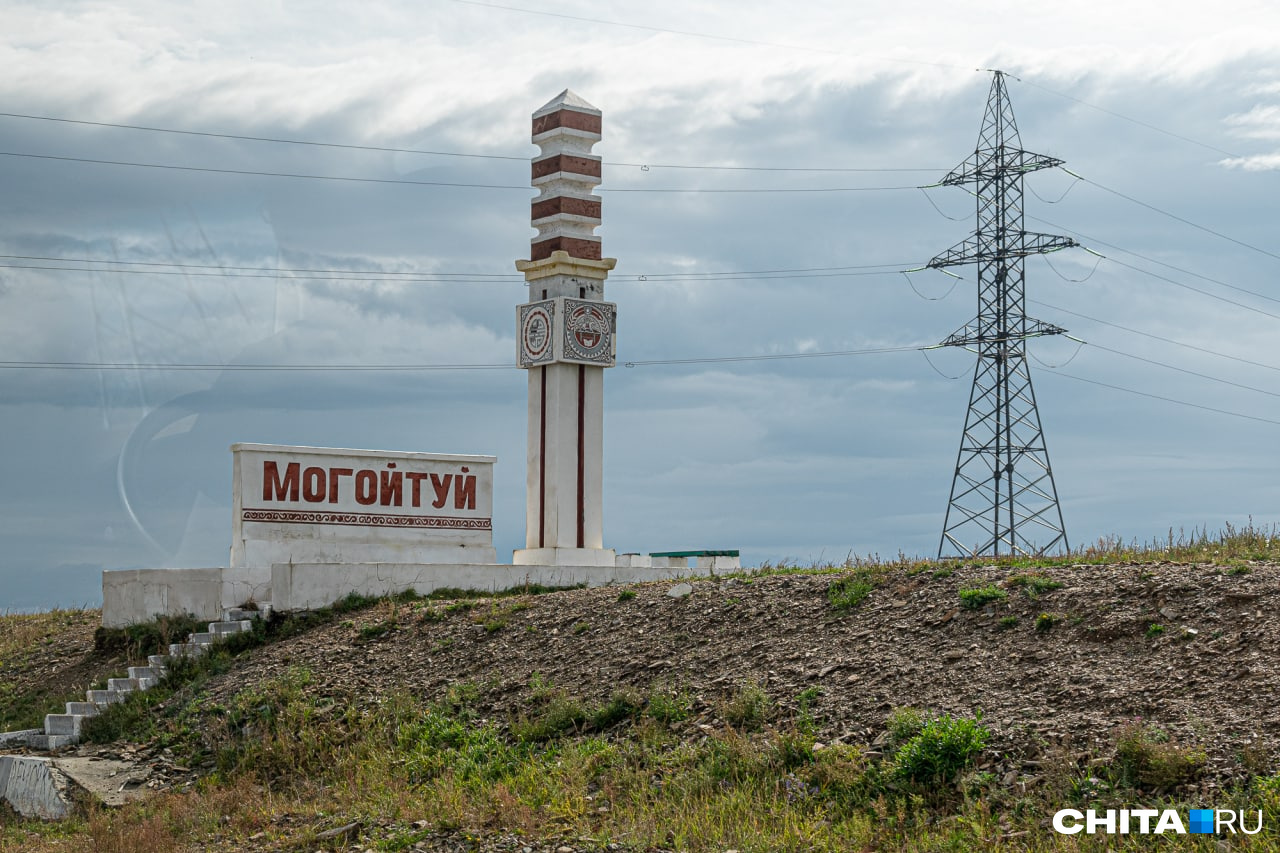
[(978, 597), (624, 704), (668, 706), (1154, 630), (1034, 585), (847, 593), (1007, 622), (748, 708), (1045, 622), (1145, 755), (626, 595), (903, 724), (943, 747)]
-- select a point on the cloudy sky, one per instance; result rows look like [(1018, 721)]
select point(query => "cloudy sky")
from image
[(840, 110)]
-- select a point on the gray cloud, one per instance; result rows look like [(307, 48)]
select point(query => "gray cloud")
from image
[(783, 459)]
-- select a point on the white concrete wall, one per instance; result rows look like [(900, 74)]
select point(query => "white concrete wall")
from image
[(327, 505), (307, 587), (130, 596)]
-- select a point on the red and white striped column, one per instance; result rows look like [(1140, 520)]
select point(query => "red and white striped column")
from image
[(565, 339)]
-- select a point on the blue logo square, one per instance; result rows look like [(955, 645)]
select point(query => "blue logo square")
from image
[(1202, 821)]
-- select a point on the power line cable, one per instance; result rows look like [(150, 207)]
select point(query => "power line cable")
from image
[(1165, 399), (1161, 338), (516, 276), (334, 368), (458, 278), (432, 152), (469, 185), (1186, 371), (1207, 293), (776, 357), (1124, 117), (1174, 216), (1099, 242), (264, 173), (892, 268)]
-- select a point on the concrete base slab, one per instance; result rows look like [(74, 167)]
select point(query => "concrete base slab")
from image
[(51, 742), (310, 587), (564, 557), (114, 783), (34, 787), (18, 737)]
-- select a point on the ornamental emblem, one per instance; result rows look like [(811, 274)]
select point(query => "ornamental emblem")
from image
[(535, 333), (589, 331)]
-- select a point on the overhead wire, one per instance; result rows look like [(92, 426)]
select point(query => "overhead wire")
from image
[(324, 368), (1124, 117), (464, 184), (404, 277), (1184, 370), (1165, 399), (1100, 242), (1174, 216), (386, 149), (1161, 338)]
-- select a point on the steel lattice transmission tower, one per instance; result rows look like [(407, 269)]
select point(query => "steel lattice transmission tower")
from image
[(1003, 498)]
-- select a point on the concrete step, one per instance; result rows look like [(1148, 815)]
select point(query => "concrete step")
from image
[(102, 698), (34, 787), (237, 614), (83, 709), (177, 650), (63, 724), (43, 741), (158, 660), (17, 737), (203, 638), (145, 683), (122, 685), (143, 672), (219, 629)]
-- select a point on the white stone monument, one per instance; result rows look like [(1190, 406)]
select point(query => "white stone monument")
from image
[(326, 505), (313, 524), (565, 339)]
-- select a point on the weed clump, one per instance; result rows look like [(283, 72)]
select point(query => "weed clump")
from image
[(668, 706), (978, 597), (847, 593), (748, 708), (1033, 585), (1146, 756), (942, 748)]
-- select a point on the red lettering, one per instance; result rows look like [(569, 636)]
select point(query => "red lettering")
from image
[(392, 492), (416, 477), (464, 492), (285, 489), (334, 474), (313, 485), (366, 487), (441, 489)]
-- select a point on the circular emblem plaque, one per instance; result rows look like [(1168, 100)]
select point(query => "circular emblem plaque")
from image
[(535, 334), (589, 330)]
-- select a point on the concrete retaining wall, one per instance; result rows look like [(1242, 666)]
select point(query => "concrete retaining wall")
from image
[(130, 596), (307, 587)]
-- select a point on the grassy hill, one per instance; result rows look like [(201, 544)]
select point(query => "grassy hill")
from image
[(897, 704)]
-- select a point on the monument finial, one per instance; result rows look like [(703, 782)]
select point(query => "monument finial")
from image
[(566, 211), (565, 339)]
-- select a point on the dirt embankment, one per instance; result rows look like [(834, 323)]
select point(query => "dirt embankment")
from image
[(1192, 649)]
